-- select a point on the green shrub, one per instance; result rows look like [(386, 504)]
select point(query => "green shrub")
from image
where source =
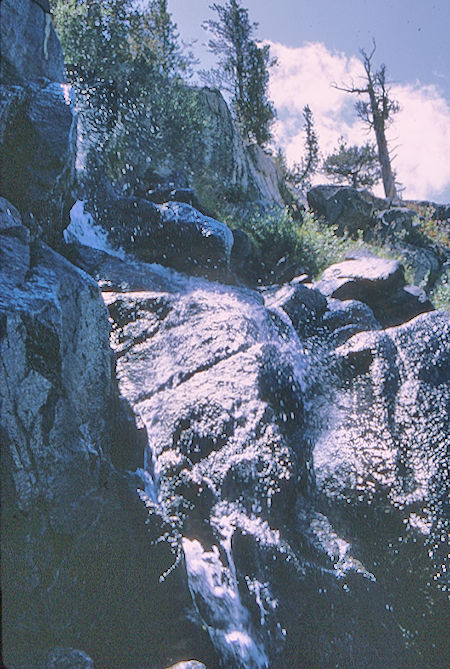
[(278, 236), (437, 231), (324, 245), (440, 296)]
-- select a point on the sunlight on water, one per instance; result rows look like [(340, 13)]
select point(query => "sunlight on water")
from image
[(215, 594), (83, 230)]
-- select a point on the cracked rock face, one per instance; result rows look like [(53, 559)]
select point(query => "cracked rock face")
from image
[(37, 120), (30, 47), (218, 380), (379, 283), (72, 524), (38, 144)]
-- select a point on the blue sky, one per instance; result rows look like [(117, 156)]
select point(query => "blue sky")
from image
[(317, 42), (411, 35)]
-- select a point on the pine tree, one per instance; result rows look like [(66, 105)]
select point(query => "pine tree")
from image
[(243, 69), (161, 37), (125, 64), (377, 113), (355, 165), (301, 173)]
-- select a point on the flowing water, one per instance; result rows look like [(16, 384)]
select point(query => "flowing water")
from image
[(280, 471)]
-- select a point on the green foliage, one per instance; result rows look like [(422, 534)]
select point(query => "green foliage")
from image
[(243, 69), (125, 64), (357, 166), (440, 296), (164, 40), (309, 245), (437, 231), (300, 175)]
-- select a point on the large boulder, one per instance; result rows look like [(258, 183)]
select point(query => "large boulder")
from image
[(173, 234), (351, 210), (304, 306), (401, 230), (381, 466), (30, 47), (37, 120), (378, 282), (78, 566), (38, 143), (344, 318)]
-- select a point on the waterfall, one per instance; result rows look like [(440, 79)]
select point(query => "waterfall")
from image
[(215, 594)]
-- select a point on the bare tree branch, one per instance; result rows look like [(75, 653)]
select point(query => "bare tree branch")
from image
[(376, 112)]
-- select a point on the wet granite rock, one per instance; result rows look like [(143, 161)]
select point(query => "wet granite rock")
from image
[(217, 379), (37, 120), (381, 467), (76, 551), (38, 144), (30, 47), (304, 306), (172, 234), (344, 318), (379, 283)]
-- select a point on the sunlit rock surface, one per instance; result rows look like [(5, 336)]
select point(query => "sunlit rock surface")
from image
[(228, 167), (379, 283), (173, 234), (381, 467), (285, 482), (390, 225), (270, 490), (78, 566), (221, 384)]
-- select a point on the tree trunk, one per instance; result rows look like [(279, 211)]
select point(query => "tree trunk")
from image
[(387, 175)]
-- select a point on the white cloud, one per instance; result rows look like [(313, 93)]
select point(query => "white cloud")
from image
[(420, 131)]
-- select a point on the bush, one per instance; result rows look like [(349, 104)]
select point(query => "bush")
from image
[(125, 66), (440, 296), (307, 246)]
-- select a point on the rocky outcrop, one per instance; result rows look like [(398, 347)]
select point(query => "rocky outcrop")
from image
[(173, 234), (379, 283), (222, 170), (72, 522), (392, 226), (30, 48), (270, 487), (380, 463), (229, 169), (37, 121), (351, 210), (219, 382), (38, 145)]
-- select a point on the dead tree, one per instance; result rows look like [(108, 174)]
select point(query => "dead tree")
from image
[(377, 112)]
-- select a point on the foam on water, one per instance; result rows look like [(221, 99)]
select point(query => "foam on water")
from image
[(215, 593), (84, 230)]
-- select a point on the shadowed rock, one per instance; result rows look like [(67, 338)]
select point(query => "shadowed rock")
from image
[(379, 283)]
